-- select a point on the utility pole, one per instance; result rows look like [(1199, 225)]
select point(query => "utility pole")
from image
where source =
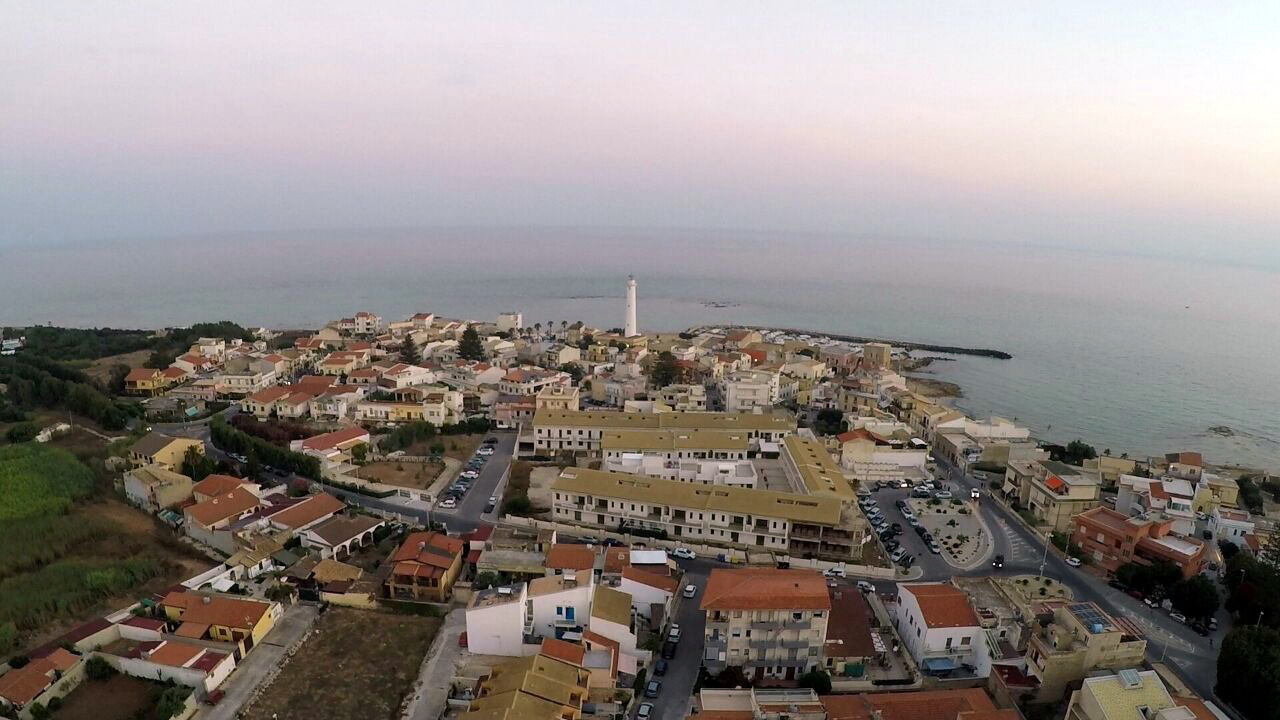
[(1044, 558)]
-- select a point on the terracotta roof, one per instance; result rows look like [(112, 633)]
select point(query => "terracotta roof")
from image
[(317, 507), (271, 394), (765, 589), (24, 684), (175, 654), (616, 558), (331, 440), (921, 705), (208, 661), (859, 434), (654, 580), (216, 484), (363, 372), (208, 610), (1185, 458), (1053, 482), (428, 548), (173, 373), (563, 556), (559, 649), (942, 605), (222, 507), (615, 647), (138, 374), (315, 382), (144, 623), (849, 627)]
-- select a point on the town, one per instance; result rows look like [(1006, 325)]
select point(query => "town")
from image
[(495, 519)]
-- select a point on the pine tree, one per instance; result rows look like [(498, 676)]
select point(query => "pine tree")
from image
[(409, 352), (469, 348)]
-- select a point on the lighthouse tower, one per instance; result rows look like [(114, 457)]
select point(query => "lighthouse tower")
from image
[(630, 328)]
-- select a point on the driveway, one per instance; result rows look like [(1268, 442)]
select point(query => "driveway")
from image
[(262, 662), (436, 674)]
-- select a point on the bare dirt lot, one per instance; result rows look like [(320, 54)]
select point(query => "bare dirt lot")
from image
[(119, 698), (101, 368), (460, 447), (402, 474), (357, 664)]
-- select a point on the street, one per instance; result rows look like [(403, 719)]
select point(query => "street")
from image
[(682, 671)]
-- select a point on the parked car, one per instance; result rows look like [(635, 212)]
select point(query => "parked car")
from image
[(1150, 602), (1073, 561), (1179, 617), (866, 587), (486, 450), (652, 689), (896, 528), (669, 650), (974, 494), (448, 503), (892, 545), (673, 635), (934, 547), (907, 561), (469, 474), (684, 553), (690, 590), (1200, 628), (1213, 623), (920, 492), (834, 572), (1118, 585), (491, 441), (645, 711), (660, 668), (997, 561), (898, 554), (489, 507), (904, 483), (943, 495)]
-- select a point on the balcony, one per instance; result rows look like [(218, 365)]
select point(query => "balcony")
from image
[(765, 625), (793, 644), (796, 624)]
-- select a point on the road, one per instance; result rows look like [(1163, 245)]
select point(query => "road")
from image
[(1193, 657), (677, 685)]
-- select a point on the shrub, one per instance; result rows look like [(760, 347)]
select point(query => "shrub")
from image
[(22, 432), (98, 669), (818, 680)]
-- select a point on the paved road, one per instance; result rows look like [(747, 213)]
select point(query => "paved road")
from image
[(677, 685), (1193, 657), (431, 694), (262, 662), (470, 512)]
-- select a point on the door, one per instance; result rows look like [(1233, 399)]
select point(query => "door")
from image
[(791, 673)]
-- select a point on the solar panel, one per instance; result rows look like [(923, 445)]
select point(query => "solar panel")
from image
[(1091, 617)]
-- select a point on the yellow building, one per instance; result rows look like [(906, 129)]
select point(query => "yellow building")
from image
[(538, 687), (145, 381), (1126, 695), (1214, 491), (218, 617), (167, 452), (558, 397), (1080, 639), (1057, 491)]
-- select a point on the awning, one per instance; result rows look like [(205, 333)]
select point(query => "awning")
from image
[(939, 664)]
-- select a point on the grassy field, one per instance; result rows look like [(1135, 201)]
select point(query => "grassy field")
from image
[(357, 664), (100, 369), (70, 548), (460, 447), (402, 474)]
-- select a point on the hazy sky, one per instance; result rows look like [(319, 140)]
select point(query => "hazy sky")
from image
[(1147, 127)]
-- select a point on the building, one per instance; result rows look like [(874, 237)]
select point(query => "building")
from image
[(1126, 695), (145, 381), (558, 397), (719, 515), (496, 620), (559, 604), (425, 567), (1080, 639), (567, 431), (871, 456), (167, 452), (683, 398), (154, 488), (538, 687), (208, 521), (850, 644), (758, 704), (339, 535), (332, 446), (631, 329), (1111, 539), (772, 623), (24, 686), (1231, 526), (510, 321), (745, 390), (208, 616), (366, 323), (961, 704), (940, 630), (1169, 498), (1057, 491), (877, 356)]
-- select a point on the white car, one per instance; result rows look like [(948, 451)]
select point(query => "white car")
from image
[(674, 634), (1073, 561), (834, 572), (866, 587), (684, 554), (690, 590), (943, 494), (486, 450), (469, 474), (645, 712), (974, 494), (448, 503)]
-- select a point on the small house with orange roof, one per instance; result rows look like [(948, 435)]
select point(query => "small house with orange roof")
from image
[(27, 685), (424, 567), (222, 618)]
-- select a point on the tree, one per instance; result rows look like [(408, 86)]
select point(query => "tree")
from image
[(485, 580), (409, 352), (22, 432), (818, 680), (469, 347), (665, 370), (1147, 578), (96, 668), (1078, 451), (1195, 597), (160, 359), (574, 370), (359, 452), (829, 422), (1228, 550), (40, 712), (1249, 672), (196, 465)]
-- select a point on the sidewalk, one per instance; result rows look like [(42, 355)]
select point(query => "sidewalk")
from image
[(435, 678)]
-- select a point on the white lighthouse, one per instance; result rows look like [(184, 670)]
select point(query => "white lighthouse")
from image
[(631, 330)]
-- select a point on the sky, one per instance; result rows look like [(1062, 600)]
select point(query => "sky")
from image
[(1147, 128)]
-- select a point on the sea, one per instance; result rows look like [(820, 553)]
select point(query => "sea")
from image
[(1133, 354)]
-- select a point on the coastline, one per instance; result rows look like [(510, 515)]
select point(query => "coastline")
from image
[(861, 340)]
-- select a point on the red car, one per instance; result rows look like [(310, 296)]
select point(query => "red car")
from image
[(462, 640)]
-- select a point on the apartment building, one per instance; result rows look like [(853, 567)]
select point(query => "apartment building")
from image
[(1057, 491), (714, 514), (683, 398), (879, 451), (538, 686), (1170, 497), (739, 473), (807, 464), (558, 397), (1111, 539), (568, 431), (940, 629), (530, 380), (1080, 639), (675, 445), (772, 623)]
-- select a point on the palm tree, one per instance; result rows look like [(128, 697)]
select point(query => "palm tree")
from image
[(538, 328)]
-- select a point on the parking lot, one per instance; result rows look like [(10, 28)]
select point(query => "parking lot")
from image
[(462, 486), (887, 507)]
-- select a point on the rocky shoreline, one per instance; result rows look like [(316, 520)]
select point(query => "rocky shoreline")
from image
[(861, 340)]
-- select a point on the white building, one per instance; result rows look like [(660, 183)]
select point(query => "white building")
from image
[(1230, 525), (631, 328), (366, 323), (736, 473), (510, 321), (496, 621), (940, 630), (647, 590), (744, 390), (559, 603)]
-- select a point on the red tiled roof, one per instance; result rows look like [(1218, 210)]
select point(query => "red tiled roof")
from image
[(216, 484), (563, 556), (222, 507), (849, 627), (144, 623), (942, 605), (332, 440), (139, 374), (921, 705), (1185, 458), (270, 394), (765, 589), (654, 580), (317, 507), (571, 653), (22, 685), (220, 610), (428, 548)]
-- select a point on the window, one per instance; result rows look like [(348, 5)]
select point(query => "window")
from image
[(949, 642), (559, 610), (817, 613), (965, 640)]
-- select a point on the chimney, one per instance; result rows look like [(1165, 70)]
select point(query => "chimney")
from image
[(204, 599)]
